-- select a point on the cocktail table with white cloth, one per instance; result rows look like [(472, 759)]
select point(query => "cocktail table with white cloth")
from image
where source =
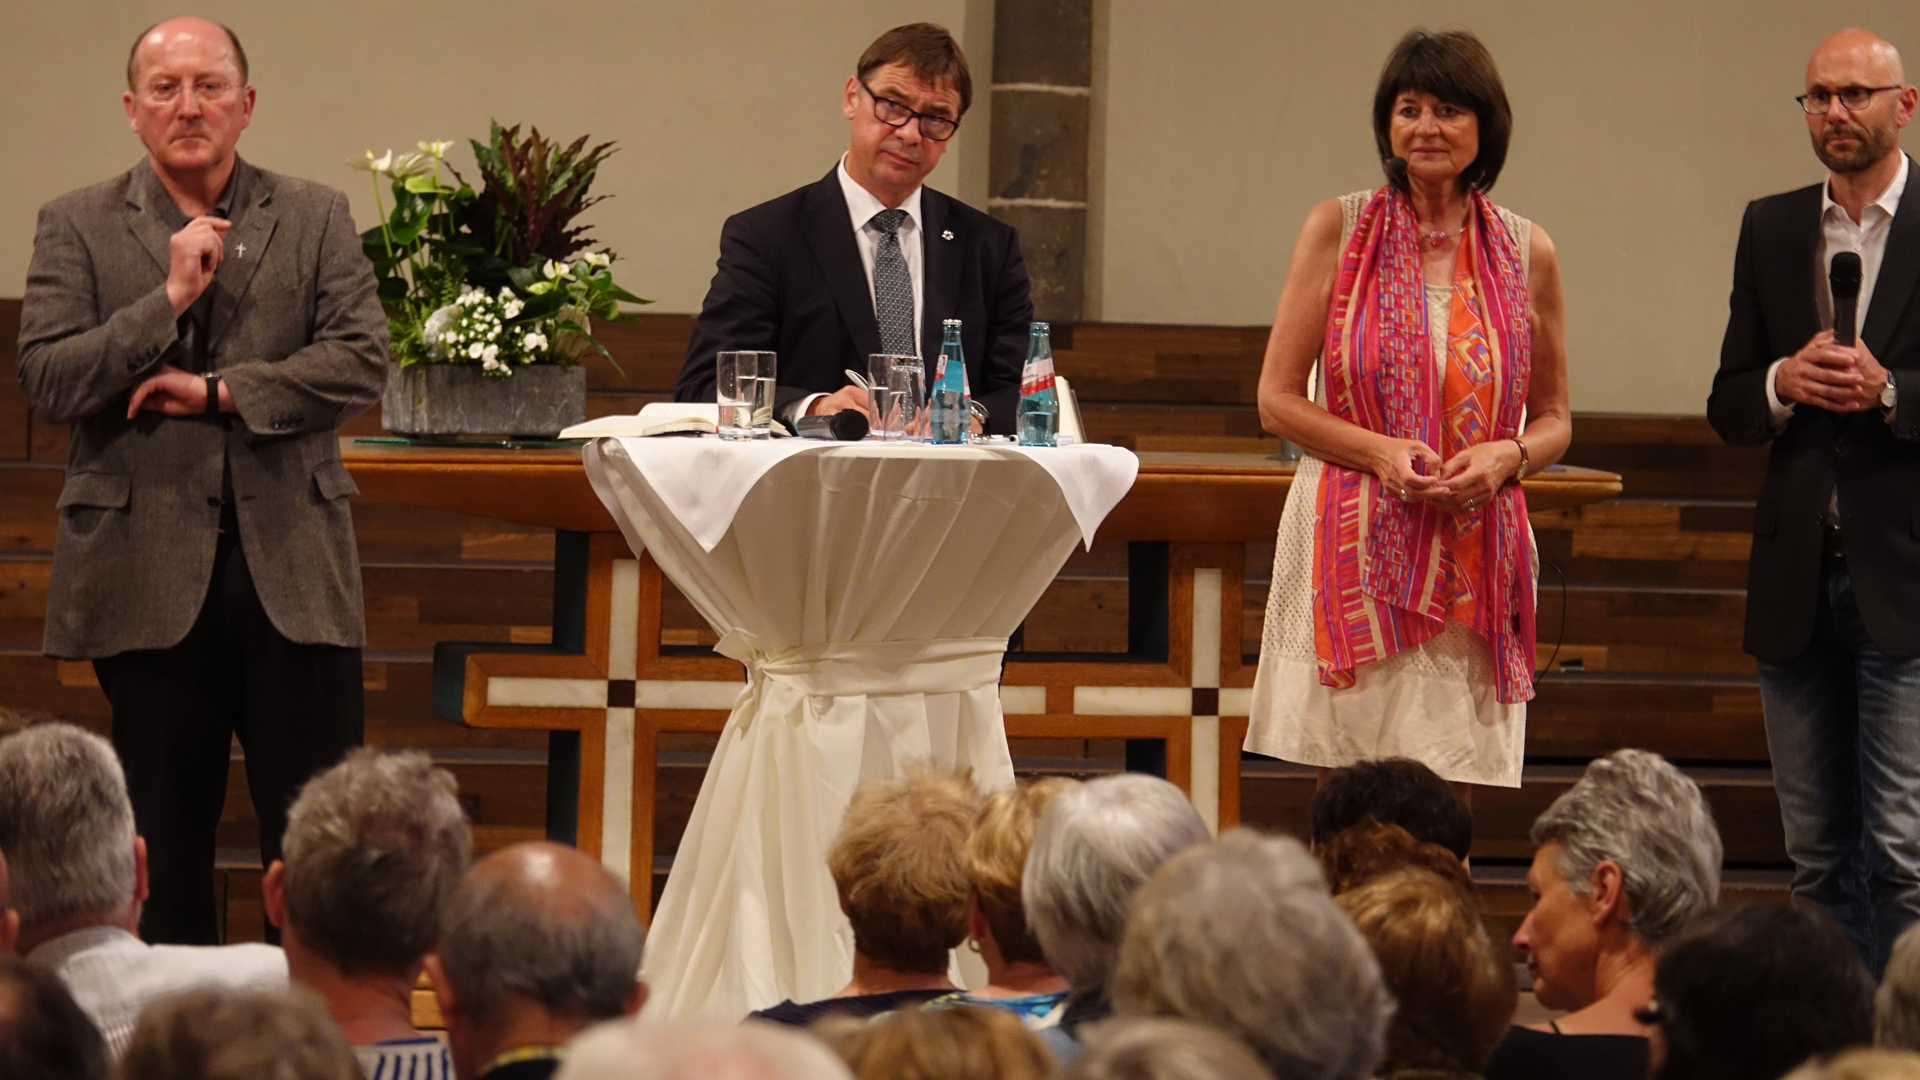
[(869, 588)]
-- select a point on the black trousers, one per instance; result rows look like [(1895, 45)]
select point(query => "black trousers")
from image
[(296, 709)]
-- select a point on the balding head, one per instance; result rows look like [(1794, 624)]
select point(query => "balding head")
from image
[(187, 31), (1857, 100)]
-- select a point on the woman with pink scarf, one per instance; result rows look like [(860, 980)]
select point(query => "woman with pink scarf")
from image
[(1400, 617)]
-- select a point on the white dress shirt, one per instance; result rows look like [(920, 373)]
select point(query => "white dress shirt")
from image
[(1838, 233), (861, 207), (113, 976)]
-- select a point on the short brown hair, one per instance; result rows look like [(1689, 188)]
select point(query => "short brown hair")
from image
[(1357, 855), (997, 855), (1454, 982), (964, 1043), (928, 50), (1454, 66), (899, 863), (217, 1033), (133, 54)]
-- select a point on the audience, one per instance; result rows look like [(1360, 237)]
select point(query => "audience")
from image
[(965, 1043), (899, 864), (1896, 1008), (1019, 979), (1162, 1050), (1359, 853), (43, 1034), (374, 847), (79, 874), (1452, 979), (1862, 1064), (224, 1034), (637, 1050), (1393, 791), (1750, 992), (1092, 848), (1242, 935), (538, 942), (1625, 858)]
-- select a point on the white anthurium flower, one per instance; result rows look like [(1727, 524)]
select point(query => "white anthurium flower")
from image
[(409, 164), (599, 259), (375, 165), (437, 148), (554, 271)]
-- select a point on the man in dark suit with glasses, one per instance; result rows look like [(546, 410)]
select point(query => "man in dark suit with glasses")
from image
[(867, 260)]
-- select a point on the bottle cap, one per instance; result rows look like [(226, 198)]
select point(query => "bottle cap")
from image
[(1044, 328), (950, 322)]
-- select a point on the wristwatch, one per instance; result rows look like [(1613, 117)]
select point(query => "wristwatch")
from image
[(1886, 393), (213, 393)]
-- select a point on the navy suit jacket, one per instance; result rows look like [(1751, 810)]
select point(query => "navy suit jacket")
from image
[(1874, 465), (790, 281)]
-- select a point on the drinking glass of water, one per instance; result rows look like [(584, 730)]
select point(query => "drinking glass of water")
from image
[(886, 418), (907, 381), (743, 384)]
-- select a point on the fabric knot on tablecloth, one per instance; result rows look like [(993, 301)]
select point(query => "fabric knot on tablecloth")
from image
[(852, 669)]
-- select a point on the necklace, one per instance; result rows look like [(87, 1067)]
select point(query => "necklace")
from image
[(1436, 237)]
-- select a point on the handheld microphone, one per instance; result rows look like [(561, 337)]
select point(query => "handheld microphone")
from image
[(847, 425), (1397, 171), (1844, 279)]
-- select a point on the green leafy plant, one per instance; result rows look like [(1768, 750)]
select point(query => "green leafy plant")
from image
[(512, 248)]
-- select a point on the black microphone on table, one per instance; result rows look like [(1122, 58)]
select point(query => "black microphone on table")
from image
[(847, 425), (1397, 171), (1844, 278)]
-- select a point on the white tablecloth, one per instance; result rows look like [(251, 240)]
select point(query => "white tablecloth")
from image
[(869, 588)]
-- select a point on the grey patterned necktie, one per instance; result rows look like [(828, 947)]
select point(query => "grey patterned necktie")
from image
[(892, 286)]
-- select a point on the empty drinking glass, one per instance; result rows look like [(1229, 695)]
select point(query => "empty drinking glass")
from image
[(743, 385), (907, 381), (886, 422)]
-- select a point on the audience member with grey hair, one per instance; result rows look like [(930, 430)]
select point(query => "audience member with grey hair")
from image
[(1240, 934), (637, 1050), (1896, 1006), (212, 1034), (1625, 858), (374, 847), (538, 942), (78, 876), (1092, 848), (1162, 1049)]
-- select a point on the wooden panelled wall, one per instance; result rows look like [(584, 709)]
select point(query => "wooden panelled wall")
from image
[(1640, 606)]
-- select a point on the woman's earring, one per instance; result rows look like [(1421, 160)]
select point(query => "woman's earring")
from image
[(973, 944)]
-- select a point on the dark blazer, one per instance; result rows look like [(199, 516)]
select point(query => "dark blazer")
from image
[(1874, 465), (790, 281), (297, 333)]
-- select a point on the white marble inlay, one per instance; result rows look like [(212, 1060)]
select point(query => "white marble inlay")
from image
[(1023, 700), (675, 694), (616, 801), (1236, 701), (1206, 770), (1206, 626), (532, 693), (1133, 700), (623, 619)]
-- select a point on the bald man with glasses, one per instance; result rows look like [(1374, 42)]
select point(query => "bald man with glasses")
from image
[(868, 260)]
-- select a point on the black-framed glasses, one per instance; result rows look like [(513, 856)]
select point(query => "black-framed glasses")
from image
[(1852, 98), (895, 115)]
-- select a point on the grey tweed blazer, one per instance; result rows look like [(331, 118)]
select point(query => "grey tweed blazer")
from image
[(296, 332)]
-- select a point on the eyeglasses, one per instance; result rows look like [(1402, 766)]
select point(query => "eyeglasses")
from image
[(166, 91), (1852, 98), (895, 115), (1651, 1014)]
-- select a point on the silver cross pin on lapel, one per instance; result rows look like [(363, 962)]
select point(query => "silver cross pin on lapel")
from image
[(240, 252), (946, 234)]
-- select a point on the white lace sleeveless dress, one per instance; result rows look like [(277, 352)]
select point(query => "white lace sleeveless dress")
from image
[(1435, 702)]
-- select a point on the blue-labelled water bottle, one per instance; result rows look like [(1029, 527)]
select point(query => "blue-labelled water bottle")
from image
[(1039, 415), (948, 416)]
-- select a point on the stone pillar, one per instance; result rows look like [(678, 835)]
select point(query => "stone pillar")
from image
[(1037, 172)]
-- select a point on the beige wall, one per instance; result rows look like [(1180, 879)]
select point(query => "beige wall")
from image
[(717, 105), (1643, 126)]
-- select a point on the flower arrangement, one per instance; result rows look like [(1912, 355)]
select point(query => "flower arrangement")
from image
[(498, 277)]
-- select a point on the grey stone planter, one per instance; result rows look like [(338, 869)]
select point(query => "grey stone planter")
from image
[(456, 399)]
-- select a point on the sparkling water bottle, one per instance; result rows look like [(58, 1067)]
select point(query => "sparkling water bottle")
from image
[(1039, 416), (949, 418)]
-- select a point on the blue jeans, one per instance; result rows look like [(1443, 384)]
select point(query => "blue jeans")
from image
[(1843, 729)]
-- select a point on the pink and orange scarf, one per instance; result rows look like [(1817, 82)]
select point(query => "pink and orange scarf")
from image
[(1389, 574)]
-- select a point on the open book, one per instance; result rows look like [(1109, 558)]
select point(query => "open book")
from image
[(659, 418)]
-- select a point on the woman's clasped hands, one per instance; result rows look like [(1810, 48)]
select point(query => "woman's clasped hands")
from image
[(1410, 470)]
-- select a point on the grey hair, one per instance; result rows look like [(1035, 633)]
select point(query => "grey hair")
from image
[(1241, 934), (1896, 1007), (580, 957), (1160, 1049), (66, 825), (626, 1049), (1635, 809), (374, 847), (1092, 848)]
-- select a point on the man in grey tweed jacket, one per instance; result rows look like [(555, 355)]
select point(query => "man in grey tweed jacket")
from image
[(205, 327)]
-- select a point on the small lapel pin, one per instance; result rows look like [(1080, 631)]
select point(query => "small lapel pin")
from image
[(946, 234), (240, 252)]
